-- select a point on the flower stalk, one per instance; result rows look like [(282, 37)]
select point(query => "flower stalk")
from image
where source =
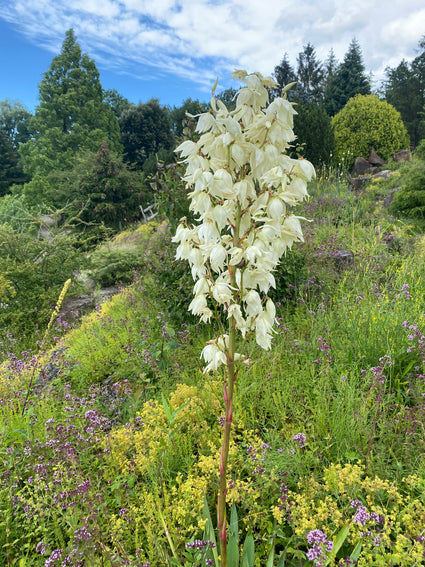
[(242, 186)]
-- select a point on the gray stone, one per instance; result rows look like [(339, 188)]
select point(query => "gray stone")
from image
[(383, 174), (389, 198), (402, 155), (357, 182), (374, 159), (361, 166), (344, 259)]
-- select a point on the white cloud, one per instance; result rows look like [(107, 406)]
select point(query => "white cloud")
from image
[(200, 39)]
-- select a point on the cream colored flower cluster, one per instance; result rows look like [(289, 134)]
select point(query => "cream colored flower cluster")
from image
[(241, 183)]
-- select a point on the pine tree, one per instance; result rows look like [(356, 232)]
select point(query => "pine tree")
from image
[(402, 90), (310, 75), (72, 114), (111, 193), (348, 80), (284, 74)]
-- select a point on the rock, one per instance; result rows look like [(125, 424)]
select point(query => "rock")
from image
[(51, 371), (357, 182), (374, 159), (344, 259), (389, 198), (361, 166), (402, 155), (74, 307), (383, 174), (46, 220)]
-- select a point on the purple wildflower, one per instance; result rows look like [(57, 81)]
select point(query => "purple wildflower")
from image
[(300, 438)]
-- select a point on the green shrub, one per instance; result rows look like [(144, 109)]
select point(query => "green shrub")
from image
[(420, 151), (366, 122), (409, 201), (172, 280), (115, 265), (313, 129), (289, 274), (35, 271)]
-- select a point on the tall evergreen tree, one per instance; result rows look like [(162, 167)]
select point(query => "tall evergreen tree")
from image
[(349, 79), (402, 90), (310, 75), (72, 114), (284, 74), (331, 65), (313, 129)]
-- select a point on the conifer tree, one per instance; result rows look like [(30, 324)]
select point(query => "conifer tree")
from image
[(402, 90), (349, 79), (284, 74), (72, 114), (110, 192), (310, 75)]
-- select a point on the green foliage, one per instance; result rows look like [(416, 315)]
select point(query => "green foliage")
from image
[(178, 114), (367, 122), (403, 90), (228, 98), (172, 281), (14, 120), (284, 74), (409, 200), (120, 259), (311, 76), (145, 130), (314, 132), (116, 101), (71, 116), (170, 193), (11, 171), (111, 193), (36, 270), (348, 80), (289, 275)]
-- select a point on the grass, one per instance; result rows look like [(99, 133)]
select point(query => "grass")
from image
[(118, 450)]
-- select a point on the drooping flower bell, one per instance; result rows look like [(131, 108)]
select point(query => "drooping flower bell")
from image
[(242, 184)]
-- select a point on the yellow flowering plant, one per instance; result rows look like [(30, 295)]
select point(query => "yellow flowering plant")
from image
[(242, 185)]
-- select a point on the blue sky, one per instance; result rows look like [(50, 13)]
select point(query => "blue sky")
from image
[(173, 49)]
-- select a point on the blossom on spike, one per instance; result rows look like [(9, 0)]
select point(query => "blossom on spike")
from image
[(242, 183)]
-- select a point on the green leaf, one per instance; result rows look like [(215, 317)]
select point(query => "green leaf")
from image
[(270, 559), (339, 540), (356, 553), (281, 562), (209, 533), (168, 408), (233, 543), (248, 552)]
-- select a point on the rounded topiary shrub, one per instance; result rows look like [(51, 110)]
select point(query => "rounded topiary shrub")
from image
[(366, 122)]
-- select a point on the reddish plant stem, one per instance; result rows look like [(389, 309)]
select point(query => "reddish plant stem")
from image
[(228, 398)]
